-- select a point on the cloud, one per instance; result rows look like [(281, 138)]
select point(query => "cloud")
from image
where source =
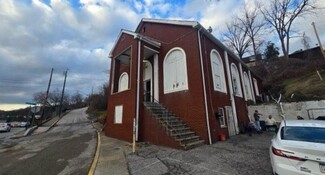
[(37, 35)]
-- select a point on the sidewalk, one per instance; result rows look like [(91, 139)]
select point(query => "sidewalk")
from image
[(46, 126), (111, 158), (37, 130)]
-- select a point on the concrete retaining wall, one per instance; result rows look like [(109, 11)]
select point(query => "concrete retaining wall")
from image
[(291, 110)]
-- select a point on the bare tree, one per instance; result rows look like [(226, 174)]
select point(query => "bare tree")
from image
[(282, 13), (76, 98), (39, 97), (236, 37), (254, 26)]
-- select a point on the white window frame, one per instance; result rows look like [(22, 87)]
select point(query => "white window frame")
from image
[(247, 87), (236, 81), (120, 87), (216, 58), (256, 87), (222, 120), (170, 87), (118, 114)]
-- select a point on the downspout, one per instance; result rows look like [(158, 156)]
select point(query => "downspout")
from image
[(232, 99), (204, 89), (251, 84), (138, 92)]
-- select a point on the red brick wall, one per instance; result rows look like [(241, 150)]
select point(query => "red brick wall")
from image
[(152, 131), (126, 98), (215, 99), (188, 104)]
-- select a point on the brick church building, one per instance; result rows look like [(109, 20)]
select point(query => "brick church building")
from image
[(172, 83)]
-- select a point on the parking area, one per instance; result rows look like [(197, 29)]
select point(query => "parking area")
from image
[(239, 155), (11, 133)]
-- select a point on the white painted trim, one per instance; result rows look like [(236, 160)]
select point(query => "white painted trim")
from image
[(146, 47), (237, 76), (168, 21), (249, 90), (242, 81), (156, 77), (135, 36), (252, 89), (256, 87), (185, 68), (118, 114), (231, 92), (151, 76), (222, 72), (113, 74), (119, 82), (138, 92), (204, 88)]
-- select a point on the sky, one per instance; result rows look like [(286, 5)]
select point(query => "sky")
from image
[(77, 35)]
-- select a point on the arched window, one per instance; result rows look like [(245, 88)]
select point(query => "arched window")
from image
[(247, 87), (218, 75), (123, 82), (175, 71), (256, 87), (236, 80)]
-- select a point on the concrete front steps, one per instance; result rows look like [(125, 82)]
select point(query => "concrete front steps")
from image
[(175, 126)]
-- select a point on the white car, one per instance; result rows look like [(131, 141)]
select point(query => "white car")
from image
[(5, 127), (299, 148)]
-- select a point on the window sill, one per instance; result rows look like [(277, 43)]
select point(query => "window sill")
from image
[(175, 90)]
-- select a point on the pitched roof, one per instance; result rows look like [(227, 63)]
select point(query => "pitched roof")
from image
[(167, 21), (135, 35), (193, 24)]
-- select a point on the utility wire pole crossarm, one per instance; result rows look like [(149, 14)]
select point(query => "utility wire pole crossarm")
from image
[(319, 42)]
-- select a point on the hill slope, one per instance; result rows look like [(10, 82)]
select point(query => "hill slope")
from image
[(296, 79)]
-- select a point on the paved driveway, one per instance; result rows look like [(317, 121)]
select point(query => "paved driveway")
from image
[(241, 154)]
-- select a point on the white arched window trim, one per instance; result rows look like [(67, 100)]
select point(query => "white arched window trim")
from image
[(174, 81), (123, 83), (236, 81), (218, 75), (256, 87), (247, 87)]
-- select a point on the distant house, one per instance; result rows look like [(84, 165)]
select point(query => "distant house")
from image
[(176, 85), (312, 53), (251, 61)]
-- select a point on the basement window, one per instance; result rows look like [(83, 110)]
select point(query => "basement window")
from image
[(118, 114)]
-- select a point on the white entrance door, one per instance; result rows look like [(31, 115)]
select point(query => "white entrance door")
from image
[(230, 121)]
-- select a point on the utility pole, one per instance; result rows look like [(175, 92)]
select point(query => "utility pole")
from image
[(47, 95), (65, 78), (319, 42)]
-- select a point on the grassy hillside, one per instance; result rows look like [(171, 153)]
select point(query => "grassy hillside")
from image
[(296, 79), (306, 87)]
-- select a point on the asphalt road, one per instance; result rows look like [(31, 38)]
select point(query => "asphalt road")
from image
[(4, 135), (67, 148)]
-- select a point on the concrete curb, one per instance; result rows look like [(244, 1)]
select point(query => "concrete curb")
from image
[(30, 130), (26, 133), (96, 157)]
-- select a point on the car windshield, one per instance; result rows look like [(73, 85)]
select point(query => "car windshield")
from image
[(305, 134)]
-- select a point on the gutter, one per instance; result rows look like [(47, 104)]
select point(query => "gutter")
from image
[(204, 88)]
